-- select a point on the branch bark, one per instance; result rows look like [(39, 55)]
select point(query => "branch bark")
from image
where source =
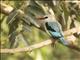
[(27, 49), (5, 9)]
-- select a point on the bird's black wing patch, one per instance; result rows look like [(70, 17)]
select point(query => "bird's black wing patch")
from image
[(52, 26)]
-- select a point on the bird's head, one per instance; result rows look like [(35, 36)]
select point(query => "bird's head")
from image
[(43, 19), (46, 18)]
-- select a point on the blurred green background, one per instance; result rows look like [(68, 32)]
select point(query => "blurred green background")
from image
[(67, 13)]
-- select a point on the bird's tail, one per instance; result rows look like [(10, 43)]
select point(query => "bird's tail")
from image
[(63, 41), (67, 43)]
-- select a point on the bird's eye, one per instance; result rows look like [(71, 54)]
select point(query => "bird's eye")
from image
[(46, 17)]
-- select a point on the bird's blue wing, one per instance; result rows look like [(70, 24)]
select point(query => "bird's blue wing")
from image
[(53, 26), (54, 29), (55, 34)]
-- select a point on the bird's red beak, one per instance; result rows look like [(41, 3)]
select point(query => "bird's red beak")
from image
[(41, 18)]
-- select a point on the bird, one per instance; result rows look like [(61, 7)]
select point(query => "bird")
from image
[(52, 27), (49, 24)]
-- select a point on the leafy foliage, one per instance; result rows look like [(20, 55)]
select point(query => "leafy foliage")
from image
[(20, 31)]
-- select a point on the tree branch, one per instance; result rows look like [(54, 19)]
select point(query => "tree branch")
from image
[(5, 9), (27, 49), (41, 44)]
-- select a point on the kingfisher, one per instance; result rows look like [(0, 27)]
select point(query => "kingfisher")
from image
[(52, 27), (49, 24)]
